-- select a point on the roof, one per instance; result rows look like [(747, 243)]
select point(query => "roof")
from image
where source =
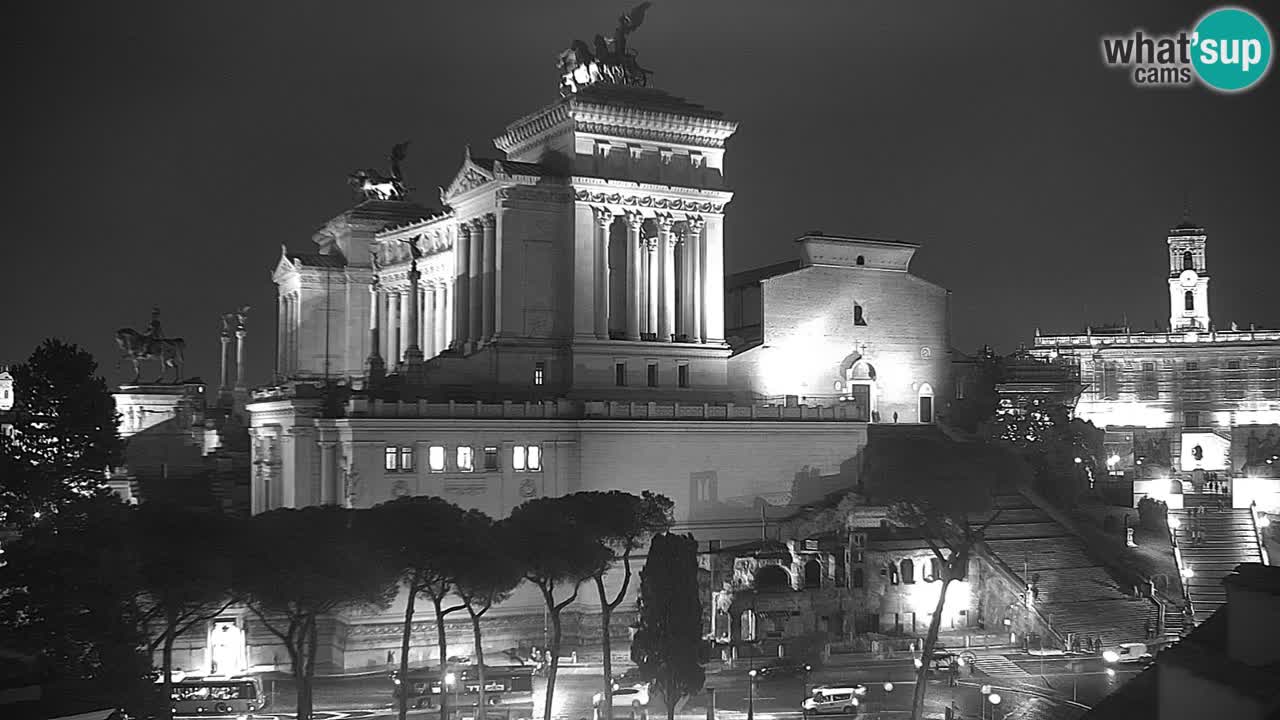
[(751, 277), (514, 167), (645, 98)]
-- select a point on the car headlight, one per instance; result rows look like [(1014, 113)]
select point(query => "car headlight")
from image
[(1111, 656)]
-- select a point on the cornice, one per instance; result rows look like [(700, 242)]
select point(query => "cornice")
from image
[(533, 126), (594, 117), (657, 200)]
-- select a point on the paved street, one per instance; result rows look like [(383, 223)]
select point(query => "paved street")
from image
[(1052, 688)]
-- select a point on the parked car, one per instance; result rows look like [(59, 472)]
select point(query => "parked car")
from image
[(627, 697), (833, 700), (1128, 653)]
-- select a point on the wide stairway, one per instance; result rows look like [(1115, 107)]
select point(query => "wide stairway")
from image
[(1075, 593), (1229, 540)]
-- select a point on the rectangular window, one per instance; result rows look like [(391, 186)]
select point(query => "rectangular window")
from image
[(539, 373), (1192, 366), (406, 459), (653, 374), (960, 391), (682, 375), (1148, 367), (435, 458), (1191, 419), (620, 374), (391, 459), (535, 458), (1109, 389), (1149, 388), (491, 458), (518, 456), (465, 459)]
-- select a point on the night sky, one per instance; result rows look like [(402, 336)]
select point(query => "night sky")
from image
[(163, 151)]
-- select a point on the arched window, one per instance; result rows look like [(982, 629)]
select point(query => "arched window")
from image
[(861, 260), (935, 569), (1189, 299), (772, 577), (857, 316), (813, 573), (1188, 261), (908, 571)]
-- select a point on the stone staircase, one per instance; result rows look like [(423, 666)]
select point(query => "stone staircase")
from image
[(1229, 540), (1075, 593)]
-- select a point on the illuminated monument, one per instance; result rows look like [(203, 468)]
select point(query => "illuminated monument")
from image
[(560, 325), (1194, 403)]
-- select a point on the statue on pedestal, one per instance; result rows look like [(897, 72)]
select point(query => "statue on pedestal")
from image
[(610, 62), (152, 345), (373, 185)]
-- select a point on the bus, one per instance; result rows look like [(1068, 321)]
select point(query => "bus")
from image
[(508, 690), (212, 696)]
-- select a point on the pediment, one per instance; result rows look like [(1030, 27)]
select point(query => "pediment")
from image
[(284, 266), (469, 177)]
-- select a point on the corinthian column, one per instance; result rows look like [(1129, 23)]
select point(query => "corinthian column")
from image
[(698, 332), (475, 282), (461, 287), (240, 335), (393, 327), (667, 281), (651, 297), (634, 258), (225, 337), (413, 321), (376, 367), (604, 221), (489, 298)]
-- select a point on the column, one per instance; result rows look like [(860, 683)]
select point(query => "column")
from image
[(684, 314), (667, 282), (393, 328), (461, 286), (713, 278), (652, 274), (489, 298), (604, 221), (634, 258), (375, 310), (404, 319), (281, 341), (295, 317), (328, 473), (475, 281), (240, 334), (413, 318), (438, 315), (387, 329), (450, 330), (428, 320), (697, 332), (224, 377)]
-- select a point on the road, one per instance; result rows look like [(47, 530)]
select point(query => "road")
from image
[(1029, 689)]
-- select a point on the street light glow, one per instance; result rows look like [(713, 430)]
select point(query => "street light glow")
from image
[(1174, 523), (450, 679), (994, 698), (888, 687), (1111, 656)]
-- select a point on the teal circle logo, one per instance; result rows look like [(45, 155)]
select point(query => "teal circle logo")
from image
[(1231, 49)]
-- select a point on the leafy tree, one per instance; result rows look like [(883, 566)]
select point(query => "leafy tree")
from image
[(488, 576), (68, 596), (978, 406), (64, 434), (935, 486), (170, 541), (427, 543), (668, 642), (621, 523), (301, 565), (551, 545)]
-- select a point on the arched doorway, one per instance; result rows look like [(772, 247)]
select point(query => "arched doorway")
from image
[(925, 403), (858, 387), (813, 574), (772, 578)]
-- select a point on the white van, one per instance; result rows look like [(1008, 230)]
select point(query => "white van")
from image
[(1128, 653), (832, 700)]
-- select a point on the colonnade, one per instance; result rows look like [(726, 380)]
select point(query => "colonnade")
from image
[(655, 265), (393, 311)]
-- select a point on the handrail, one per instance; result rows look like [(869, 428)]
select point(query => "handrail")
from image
[(1004, 567), (1257, 531)]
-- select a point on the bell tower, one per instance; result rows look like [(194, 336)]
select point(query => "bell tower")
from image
[(1188, 278)]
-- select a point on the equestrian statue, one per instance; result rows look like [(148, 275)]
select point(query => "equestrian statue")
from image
[(152, 345)]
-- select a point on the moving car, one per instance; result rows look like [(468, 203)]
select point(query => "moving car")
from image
[(627, 697), (833, 700), (1128, 653)]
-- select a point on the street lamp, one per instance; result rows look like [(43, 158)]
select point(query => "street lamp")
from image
[(751, 693), (807, 669), (994, 699), (986, 693)]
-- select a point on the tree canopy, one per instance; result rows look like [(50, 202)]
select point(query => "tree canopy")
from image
[(668, 642)]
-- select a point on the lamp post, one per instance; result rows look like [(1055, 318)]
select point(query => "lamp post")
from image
[(751, 694), (807, 669)]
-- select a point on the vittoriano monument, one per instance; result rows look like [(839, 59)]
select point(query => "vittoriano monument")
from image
[(610, 62), (152, 345), (373, 185)]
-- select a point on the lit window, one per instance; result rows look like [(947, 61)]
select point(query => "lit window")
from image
[(682, 376), (465, 459), (518, 458), (406, 459), (620, 374), (491, 458), (390, 459), (535, 458), (526, 458), (435, 458), (539, 373), (653, 374)]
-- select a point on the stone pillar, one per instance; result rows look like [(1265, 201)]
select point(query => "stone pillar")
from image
[(697, 333), (604, 221), (634, 258), (402, 322), (652, 275), (450, 333), (224, 377), (393, 327), (441, 324), (667, 282), (413, 318), (375, 366), (462, 286), (294, 320), (240, 334), (475, 280), (281, 338), (713, 278), (489, 298), (328, 473)]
